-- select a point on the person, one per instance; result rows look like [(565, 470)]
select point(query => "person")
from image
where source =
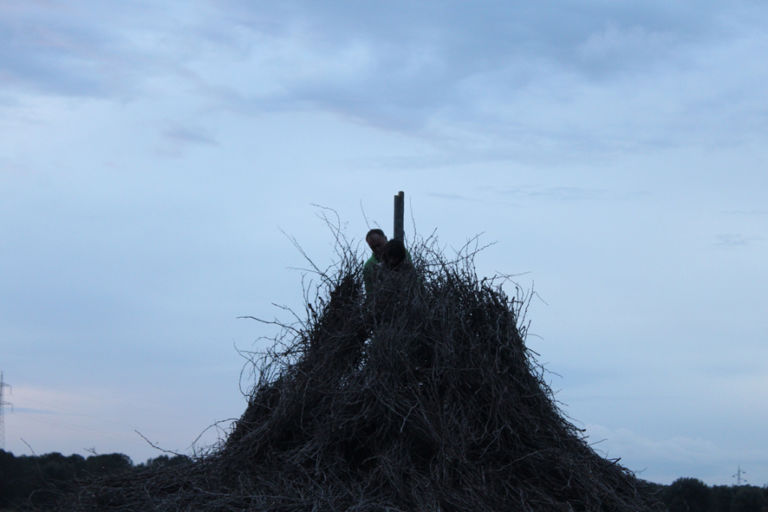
[(397, 300), (376, 240), (394, 256)]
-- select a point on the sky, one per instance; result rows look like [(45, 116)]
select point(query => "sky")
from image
[(157, 158)]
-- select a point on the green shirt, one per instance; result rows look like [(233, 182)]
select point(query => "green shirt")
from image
[(370, 268), (369, 271)]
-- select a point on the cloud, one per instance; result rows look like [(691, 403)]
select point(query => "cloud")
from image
[(734, 240), (735, 370), (504, 82), (47, 51), (28, 410), (182, 135), (89, 49), (497, 81), (748, 213), (452, 197), (12, 167), (561, 193), (174, 141)]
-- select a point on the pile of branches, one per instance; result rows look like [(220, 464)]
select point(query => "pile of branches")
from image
[(420, 395)]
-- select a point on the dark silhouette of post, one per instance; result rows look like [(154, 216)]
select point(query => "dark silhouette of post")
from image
[(399, 215)]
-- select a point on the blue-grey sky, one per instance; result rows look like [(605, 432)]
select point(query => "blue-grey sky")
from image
[(153, 153)]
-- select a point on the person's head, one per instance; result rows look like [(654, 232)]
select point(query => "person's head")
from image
[(393, 254), (376, 241)]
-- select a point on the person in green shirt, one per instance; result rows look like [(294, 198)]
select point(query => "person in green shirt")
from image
[(387, 255)]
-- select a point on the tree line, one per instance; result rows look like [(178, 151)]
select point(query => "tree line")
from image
[(693, 495), (38, 479)]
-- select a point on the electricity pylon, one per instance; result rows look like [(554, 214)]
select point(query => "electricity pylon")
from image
[(738, 477), (3, 403)]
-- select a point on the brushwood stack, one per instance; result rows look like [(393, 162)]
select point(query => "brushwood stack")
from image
[(421, 396)]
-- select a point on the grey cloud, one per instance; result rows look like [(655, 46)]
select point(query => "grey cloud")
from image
[(733, 240), (523, 80), (750, 213), (452, 197), (189, 136), (491, 81), (47, 55), (175, 141), (27, 410), (8, 101), (465, 40), (476, 36), (9, 166), (556, 193), (88, 49), (734, 369)]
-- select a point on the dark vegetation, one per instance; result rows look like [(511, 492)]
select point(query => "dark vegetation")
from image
[(422, 396), (40, 480), (690, 494)]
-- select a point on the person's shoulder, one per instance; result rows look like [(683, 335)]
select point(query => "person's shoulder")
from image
[(373, 260)]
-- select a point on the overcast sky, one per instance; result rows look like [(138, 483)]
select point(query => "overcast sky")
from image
[(153, 154)]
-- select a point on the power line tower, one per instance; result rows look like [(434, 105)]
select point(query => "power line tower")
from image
[(3, 403), (740, 480)]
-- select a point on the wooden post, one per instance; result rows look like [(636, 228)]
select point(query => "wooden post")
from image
[(399, 232)]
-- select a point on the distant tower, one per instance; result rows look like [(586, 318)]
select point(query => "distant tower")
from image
[(3, 403), (740, 480)]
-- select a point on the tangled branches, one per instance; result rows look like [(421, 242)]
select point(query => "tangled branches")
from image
[(420, 396)]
